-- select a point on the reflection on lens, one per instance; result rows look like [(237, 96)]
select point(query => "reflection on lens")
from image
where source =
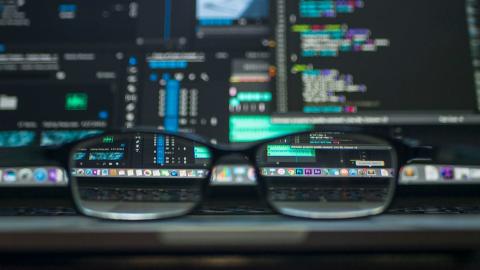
[(328, 175), (138, 176)]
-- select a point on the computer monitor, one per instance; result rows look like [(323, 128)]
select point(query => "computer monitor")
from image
[(233, 71)]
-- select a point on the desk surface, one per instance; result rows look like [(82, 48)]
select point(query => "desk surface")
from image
[(240, 233)]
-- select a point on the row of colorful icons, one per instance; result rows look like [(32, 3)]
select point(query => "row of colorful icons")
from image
[(327, 172), (238, 174), (144, 173), (439, 173), (32, 176)]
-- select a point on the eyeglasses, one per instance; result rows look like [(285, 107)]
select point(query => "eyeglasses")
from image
[(156, 175)]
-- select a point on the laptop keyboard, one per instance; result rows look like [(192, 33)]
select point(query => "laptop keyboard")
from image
[(139, 194), (277, 194), (66, 211), (435, 210), (243, 210), (328, 194), (37, 211)]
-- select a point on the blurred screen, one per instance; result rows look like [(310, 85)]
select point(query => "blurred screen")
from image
[(233, 71)]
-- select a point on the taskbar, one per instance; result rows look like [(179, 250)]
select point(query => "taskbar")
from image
[(327, 172), (434, 174), (140, 173), (33, 176)]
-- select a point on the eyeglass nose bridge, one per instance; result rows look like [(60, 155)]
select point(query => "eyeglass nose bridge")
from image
[(233, 158), (233, 162)]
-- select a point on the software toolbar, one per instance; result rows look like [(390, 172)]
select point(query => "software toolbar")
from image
[(139, 173), (328, 172)]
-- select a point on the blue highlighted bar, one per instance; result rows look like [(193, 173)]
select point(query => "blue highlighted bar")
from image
[(215, 22), (67, 8), (168, 15), (168, 64), (323, 109), (160, 149), (171, 114)]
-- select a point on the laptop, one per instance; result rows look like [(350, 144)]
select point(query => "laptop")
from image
[(237, 73)]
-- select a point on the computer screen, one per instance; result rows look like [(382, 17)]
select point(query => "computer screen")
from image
[(376, 62), (341, 155), (141, 156), (233, 71)]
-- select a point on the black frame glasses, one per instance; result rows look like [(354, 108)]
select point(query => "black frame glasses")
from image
[(353, 189)]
